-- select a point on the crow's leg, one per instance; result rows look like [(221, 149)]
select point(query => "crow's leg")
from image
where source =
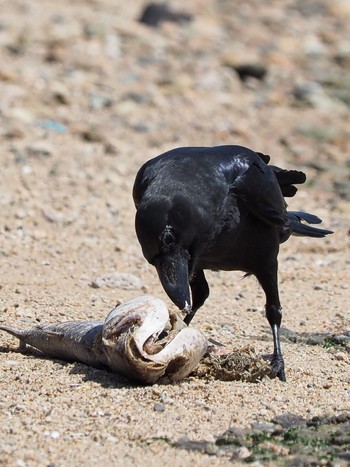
[(269, 283), (200, 291), (274, 315)]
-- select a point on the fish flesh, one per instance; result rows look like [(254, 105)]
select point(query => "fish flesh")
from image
[(139, 339)]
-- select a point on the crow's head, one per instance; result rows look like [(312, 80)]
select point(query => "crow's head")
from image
[(166, 231)]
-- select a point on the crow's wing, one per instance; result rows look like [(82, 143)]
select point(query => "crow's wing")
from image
[(264, 157), (286, 178), (259, 191)]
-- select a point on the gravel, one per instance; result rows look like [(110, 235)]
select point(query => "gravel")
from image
[(88, 93)]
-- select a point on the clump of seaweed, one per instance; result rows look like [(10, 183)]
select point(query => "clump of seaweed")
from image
[(243, 364)]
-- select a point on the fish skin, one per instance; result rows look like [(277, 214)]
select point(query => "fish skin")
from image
[(70, 341)]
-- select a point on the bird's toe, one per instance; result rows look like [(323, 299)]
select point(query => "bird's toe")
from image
[(277, 368)]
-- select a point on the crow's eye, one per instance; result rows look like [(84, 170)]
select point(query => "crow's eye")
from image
[(168, 238)]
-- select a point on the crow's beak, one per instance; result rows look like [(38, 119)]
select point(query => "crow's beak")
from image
[(173, 274)]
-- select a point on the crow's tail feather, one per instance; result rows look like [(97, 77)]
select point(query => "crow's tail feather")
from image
[(304, 230)]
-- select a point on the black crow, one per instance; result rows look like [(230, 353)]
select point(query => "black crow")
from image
[(219, 208)]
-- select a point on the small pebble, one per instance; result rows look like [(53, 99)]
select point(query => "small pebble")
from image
[(26, 169), (211, 449), (52, 125), (243, 452), (340, 356), (40, 149), (159, 407)]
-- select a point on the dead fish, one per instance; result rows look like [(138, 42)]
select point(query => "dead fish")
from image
[(139, 339)]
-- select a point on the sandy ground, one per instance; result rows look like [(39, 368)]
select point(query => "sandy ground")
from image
[(87, 95)]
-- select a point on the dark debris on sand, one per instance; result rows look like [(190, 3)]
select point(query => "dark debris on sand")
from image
[(243, 364)]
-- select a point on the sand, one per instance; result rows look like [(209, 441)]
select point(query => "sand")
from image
[(87, 95)]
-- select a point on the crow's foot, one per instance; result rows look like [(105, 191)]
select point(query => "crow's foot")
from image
[(277, 368)]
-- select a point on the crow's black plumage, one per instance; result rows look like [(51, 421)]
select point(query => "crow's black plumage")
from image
[(219, 208)]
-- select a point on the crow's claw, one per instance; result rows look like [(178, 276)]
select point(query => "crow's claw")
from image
[(277, 368)]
